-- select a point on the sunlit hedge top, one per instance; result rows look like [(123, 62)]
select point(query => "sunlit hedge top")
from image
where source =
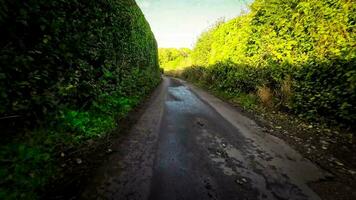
[(309, 44), (293, 31)]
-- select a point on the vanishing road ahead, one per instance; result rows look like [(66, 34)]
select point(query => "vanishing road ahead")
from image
[(189, 145)]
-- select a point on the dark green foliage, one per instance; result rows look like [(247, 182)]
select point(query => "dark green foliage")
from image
[(327, 90), (69, 52), (320, 91), (69, 71), (27, 169), (227, 77), (303, 51)]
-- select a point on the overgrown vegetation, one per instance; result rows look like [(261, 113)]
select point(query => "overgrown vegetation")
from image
[(298, 56), (69, 71), (171, 59)]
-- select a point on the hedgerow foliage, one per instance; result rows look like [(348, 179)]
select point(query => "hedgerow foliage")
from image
[(71, 53), (303, 50), (174, 59), (69, 70)]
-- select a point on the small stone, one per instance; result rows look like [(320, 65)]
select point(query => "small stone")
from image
[(324, 147), (338, 163), (324, 142), (200, 123), (78, 161), (109, 151), (90, 142), (62, 154), (241, 181), (333, 141), (351, 172)]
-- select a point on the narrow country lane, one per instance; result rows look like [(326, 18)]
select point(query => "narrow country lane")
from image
[(190, 145)]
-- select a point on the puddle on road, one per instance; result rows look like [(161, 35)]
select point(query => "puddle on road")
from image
[(180, 99)]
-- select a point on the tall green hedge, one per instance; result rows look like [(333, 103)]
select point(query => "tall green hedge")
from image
[(309, 43), (69, 53), (69, 71)]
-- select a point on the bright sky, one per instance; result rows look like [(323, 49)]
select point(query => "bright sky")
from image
[(178, 23)]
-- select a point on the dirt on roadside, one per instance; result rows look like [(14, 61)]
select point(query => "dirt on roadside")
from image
[(331, 148), (79, 164)]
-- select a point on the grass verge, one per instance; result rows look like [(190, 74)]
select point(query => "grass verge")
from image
[(52, 159)]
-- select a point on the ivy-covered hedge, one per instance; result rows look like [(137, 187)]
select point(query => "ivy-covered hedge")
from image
[(302, 51), (69, 71)]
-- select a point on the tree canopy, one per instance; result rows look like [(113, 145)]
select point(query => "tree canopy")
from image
[(174, 59)]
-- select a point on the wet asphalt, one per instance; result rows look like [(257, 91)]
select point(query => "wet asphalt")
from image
[(189, 145)]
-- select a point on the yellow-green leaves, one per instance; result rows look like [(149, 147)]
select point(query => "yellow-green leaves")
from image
[(313, 42)]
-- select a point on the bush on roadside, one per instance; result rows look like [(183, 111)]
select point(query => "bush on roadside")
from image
[(302, 51), (322, 91)]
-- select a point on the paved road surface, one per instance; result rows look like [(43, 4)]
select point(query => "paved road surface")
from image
[(190, 145)]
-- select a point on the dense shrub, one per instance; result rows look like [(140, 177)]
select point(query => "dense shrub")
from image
[(302, 51), (69, 71), (174, 59), (68, 53), (324, 90), (230, 77)]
